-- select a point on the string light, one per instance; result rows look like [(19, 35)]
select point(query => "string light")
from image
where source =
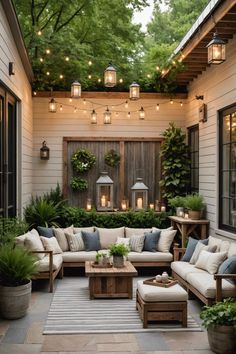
[(35, 93), (84, 101), (61, 108), (67, 58), (39, 33), (52, 106), (120, 81), (93, 117), (157, 107), (70, 100), (141, 114), (163, 72), (90, 63), (99, 80), (75, 110), (128, 114), (157, 68), (171, 101), (61, 76), (107, 117), (41, 60), (90, 76), (126, 104), (181, 104), (148, 76), (47, 73), (48, 51)]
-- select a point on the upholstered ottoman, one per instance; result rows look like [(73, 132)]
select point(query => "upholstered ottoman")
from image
[(156, 303)]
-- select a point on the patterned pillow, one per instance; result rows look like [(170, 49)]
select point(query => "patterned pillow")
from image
[(75, 242), (61, 237), (123, 241), (51, 244), (137, 243)]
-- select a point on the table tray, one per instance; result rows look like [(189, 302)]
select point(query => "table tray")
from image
[(154, 282), (96, 265)]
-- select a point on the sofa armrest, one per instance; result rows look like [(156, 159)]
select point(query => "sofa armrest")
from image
[(50, 259), (178, 252), (218, 278)]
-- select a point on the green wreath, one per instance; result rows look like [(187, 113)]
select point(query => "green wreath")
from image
[(112, 158), (79, 184), (83, 160)]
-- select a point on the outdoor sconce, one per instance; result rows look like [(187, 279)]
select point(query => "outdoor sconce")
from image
[(52, 106), (134, 91), (93, 117), (104, 193), (107, 117), (141, 114), (139, 195), (11, 68), (44, 151), (110, 76), (76, 90), (216, 50)]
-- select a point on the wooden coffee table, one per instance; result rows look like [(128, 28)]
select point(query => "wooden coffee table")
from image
[(110, 282)]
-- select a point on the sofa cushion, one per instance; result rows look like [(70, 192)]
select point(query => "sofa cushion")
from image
[(210, 261), (133, 231), (80, 256), (61, 237), (137, 243), (228, 267), (221, 245), (75, 242), (192, 243), (146, 256), (200, 247), (45, 231), (123, 241), (91, 241), (109, 236), (232, 249), (51, 244), (150, 241), (33, 243), (20, 240), (76, 230), (184, 268), (43, 264), (151, 293), (165, 240), (204, 282)]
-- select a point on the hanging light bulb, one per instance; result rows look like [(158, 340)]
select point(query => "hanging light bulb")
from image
[(90, 63), (75, 109), (39, 33), (76, 90), (61, 76), (93, 117), (157, 68), (61, 107), (52, 106), (89, 76), (47, 73), (157, 107), (67, 58), (128, 114), (126, 104), (48, 51), (171, 101), (84, 101), (216, 50), (134, 90), (120, 81), (181, 104), (41, 60), (70, 100), (141, 113), (110, 76), (107, 117)]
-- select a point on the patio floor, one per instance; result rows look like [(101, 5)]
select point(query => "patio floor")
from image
[(24, 336)]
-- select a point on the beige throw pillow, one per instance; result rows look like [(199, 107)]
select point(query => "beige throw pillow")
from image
[(51, 244), (108, 237), (137, 243), (124, 241), (33, 243), (213, 241), (61, 237), (210, 261), (165, 240), (199, 247), (76, 230), (75, 242)]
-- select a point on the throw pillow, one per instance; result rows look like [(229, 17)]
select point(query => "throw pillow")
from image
[(228, 267), (51, 244), (165, 240), (137, 243), (150, 241), (45, 231), (61, 237), (75, 242), (76, 230), (109, 236), (232, 249), (91, 241), (129, 231), (167, 229), (192, 243), (124, 241), (199, 247), (213, 241), (210, 261), (33, 243)]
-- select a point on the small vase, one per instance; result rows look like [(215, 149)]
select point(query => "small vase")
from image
[(105, 261), (118, 261)]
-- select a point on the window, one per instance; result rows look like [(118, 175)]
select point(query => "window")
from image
[(193, 142), (227, 172)]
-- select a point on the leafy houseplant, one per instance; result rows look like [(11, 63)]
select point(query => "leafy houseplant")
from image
[(102, 258), (17, 266), (42, 213), (79, 184), (118, 251), (178, 203), (220, 321), (195, 203)]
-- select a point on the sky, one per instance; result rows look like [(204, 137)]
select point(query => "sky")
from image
[(144, 16)]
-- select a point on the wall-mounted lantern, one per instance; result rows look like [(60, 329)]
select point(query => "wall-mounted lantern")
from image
[(216, 50), (11, 68), (139, 195), (104, 193), (44, 151)]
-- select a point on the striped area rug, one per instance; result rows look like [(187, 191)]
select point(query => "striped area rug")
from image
[(72, 312)]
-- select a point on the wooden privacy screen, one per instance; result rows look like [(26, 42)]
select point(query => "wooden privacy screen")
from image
[(139, 158)]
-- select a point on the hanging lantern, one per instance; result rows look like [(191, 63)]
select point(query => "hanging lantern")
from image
[(76, 90), (107, 117), (110, 76), (52, 106), (93, 117), (216, 50), (44, 151), (141, 113), (134, 91)]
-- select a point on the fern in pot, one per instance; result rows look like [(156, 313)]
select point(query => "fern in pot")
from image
[(195, 204)]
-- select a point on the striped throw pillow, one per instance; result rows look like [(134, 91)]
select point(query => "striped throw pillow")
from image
[(137, 242), (75, 242)]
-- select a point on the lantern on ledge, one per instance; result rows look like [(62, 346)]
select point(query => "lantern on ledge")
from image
[(44, 151), (110, 76), (139, 195), (52, 106), (134, 91), (216, 50), (76, 90), (104, 193)]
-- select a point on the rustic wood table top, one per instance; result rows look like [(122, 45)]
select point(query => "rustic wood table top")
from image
[(127, 270)]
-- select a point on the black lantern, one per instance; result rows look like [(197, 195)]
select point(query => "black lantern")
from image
[(110, 76), (76, 90), (44, 151), (134, 91), (52, 106), (216, 50)]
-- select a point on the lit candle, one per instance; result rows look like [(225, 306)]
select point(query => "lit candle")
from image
[(139, 203), (151, 206), (181, 213), (103, 201), (108, 203), (89, 204), (186, 216), (123, 205), (163, 208)]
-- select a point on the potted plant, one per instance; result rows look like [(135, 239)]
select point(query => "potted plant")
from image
[(220, 321), (118, 251), (178, 203), (17, 266), (102, 258), (195, 203)]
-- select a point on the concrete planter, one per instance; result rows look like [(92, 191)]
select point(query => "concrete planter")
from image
[(15, 300), (222, 339), (118, 261)]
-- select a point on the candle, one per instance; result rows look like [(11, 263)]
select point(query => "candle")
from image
[(123, 205), (151, 206), (186, 216), (163, 208), (139, 203), (181, 213), (103, 201), (108, 203)]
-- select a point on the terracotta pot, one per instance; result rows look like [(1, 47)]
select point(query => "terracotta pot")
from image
[(194, 214), (118, 261), (222, 339)]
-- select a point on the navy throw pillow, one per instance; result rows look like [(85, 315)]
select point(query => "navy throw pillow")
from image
[(45, 231), (91, 241), (192, 243), (228, 267), (150, 241)]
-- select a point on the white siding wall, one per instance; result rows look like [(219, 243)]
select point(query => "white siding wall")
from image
[(218, 85), (20, 87), (52, 127)]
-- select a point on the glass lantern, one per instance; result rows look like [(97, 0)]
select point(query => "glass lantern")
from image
[(216, 50), (76, 90), (110, 76), (139, 195), (104, 193), (134, 91)]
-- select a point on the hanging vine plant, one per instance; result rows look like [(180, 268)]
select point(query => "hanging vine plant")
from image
[(83, 160), (78, 184), (112, 158)]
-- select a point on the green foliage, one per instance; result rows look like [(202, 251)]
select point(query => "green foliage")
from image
[(10, 228), (83, 160), (222, 314), (80, 217), (42, 213), (194, 202), (55, 196), (176, 202), (112, 158), (17, 265), (100, 255), (175, 163), (118, 250), (79, 184)]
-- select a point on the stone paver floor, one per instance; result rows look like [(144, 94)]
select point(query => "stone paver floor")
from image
[(24, 336)]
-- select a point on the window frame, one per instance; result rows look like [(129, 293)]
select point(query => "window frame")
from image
[(191, 129)]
